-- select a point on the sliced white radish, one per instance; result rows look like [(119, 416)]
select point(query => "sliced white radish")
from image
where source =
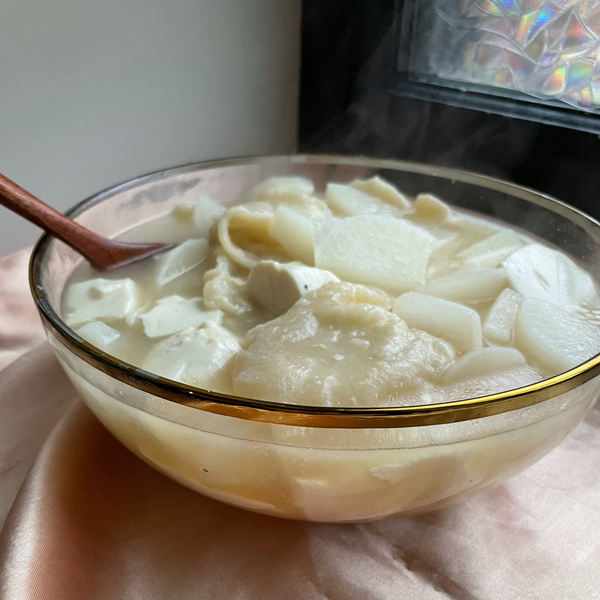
[(388, 253), (295, 232), (539, 272), (430, 208), (443, 259), (279, 286), (472, 229), (499, 322), (457, 324), (384, 190), (491, 251), (180, 260), (468, 286), (484, 361), (455, 235), (281, 189), (347, 201), (554, 338), (206, 213)]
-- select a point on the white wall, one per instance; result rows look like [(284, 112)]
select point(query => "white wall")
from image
[(93, 92)]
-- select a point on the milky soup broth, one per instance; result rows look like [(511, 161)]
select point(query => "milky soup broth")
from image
[(355, 297)]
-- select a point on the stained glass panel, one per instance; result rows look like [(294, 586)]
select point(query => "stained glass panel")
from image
[(545, 49)]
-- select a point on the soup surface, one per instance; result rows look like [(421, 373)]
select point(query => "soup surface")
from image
[(356, 297)]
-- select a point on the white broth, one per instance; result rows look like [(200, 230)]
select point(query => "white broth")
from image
[(361, 297)]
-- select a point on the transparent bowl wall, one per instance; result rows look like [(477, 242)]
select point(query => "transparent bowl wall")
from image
[(333, 474)]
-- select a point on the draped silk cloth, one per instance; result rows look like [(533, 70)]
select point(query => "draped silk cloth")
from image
[(20, 327), (91, 521)]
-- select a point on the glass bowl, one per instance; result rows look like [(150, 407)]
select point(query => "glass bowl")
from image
[(314, 463)]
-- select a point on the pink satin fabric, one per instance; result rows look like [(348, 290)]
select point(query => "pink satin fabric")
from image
[(20, 327), (92, 521)]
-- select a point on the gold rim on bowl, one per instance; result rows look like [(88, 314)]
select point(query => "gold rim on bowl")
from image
[(317, 416)]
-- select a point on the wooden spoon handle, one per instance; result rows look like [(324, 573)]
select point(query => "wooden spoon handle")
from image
[(104, 254), (20, 201)]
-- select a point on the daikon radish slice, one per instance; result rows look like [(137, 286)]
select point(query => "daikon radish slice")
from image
[(346, 201), (468, 286), (377, 250), (206, 213), (295, 232), (554, 338), (180, 260), (492, 251), (483, 362), (281, 189), (539, 272), (499, 322), (385, 191), (455, 323), (430, 208)]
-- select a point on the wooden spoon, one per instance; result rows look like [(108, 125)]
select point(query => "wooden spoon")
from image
[(104, 254)]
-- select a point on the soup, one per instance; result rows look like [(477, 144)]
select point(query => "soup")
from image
[(356, 297)]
